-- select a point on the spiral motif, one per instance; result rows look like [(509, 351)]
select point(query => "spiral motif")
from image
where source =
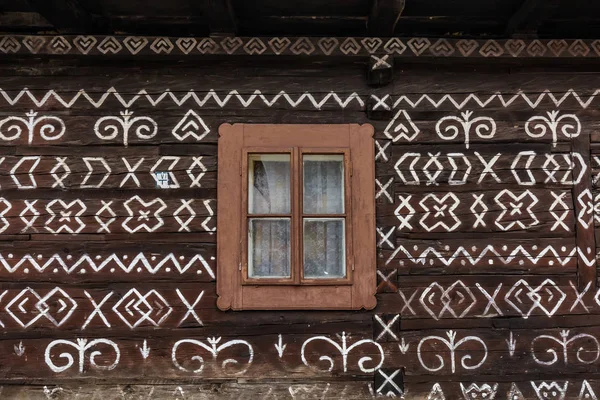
[(11, 128), (226, 365)]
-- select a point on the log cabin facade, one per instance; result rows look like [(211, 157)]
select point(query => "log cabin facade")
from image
[(483, 136)]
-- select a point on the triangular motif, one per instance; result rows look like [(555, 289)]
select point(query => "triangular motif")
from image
[(436, 393), (587, 393), (514, 393), (401, 127)]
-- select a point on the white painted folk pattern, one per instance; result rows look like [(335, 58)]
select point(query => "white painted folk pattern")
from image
[(99, 169), (491, 253), (438, 211), (191, 125), (554, 123), (467, 361), (133, 308), (343, 350), (550, 390), (110, 127), (142, 215), (479, 392), (531, 100), (136, 263), (456, 300), (25, 315), (50, 128), (214, 347), (587, 353), (81, 345), (415, 168), (450, 127)]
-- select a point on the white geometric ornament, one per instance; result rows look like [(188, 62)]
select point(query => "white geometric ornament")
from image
[(401, 127), (190, 125)]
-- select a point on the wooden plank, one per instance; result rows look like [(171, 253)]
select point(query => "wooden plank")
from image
[(530, 16), (295, 46), (450, 256), (491, 168), (123, 261), (584, 207), (221, 18), (384, 16), (68, 16), (123, 213), (475, 297), (494, 211), (99, 170)]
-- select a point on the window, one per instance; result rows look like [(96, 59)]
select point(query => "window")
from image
[(296, 217)]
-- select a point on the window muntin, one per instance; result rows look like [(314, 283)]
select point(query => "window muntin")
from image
[(296, 219)]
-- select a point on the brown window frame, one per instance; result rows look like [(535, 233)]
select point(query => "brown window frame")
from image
[(235, 289)]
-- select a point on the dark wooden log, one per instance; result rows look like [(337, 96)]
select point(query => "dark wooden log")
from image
[(69, 16), (221, 18), (530, 16), (384, 16), (381, 70)]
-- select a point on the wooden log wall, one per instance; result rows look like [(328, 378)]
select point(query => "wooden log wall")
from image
[(487, 209)]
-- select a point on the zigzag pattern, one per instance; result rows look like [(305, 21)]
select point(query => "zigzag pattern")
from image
[(488, 251), (152, 264), (294, 100)]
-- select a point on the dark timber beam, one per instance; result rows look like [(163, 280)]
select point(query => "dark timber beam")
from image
[(67, 16), (221, 18), (530, 16), (384, 16)]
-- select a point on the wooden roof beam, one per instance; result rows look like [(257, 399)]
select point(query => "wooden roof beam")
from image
[(384, 16), (221, 18), (530, 16), (68, 16)]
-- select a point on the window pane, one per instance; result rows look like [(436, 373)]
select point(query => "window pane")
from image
[(324, 184), (324, 248), (269, 248), (269, 184)]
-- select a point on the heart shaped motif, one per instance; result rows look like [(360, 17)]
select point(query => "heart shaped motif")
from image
[(278, 45), (350, 46), (491, 48), (135, 44), (186, 45), (418, 45), (466, 47), (596, 46), (110, 45), (255, 46), (59, 45), (302, 45), (207, 46), (34, 43), (394, 45), (557, 46), (442, 48), (162, 45), (579, 49), (328, 45), (514, 47), (9, 44), (371, 44), (231, 44), (536, 49), (85, 43)]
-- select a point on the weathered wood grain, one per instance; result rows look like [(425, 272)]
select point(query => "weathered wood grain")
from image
[(502, 279)]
